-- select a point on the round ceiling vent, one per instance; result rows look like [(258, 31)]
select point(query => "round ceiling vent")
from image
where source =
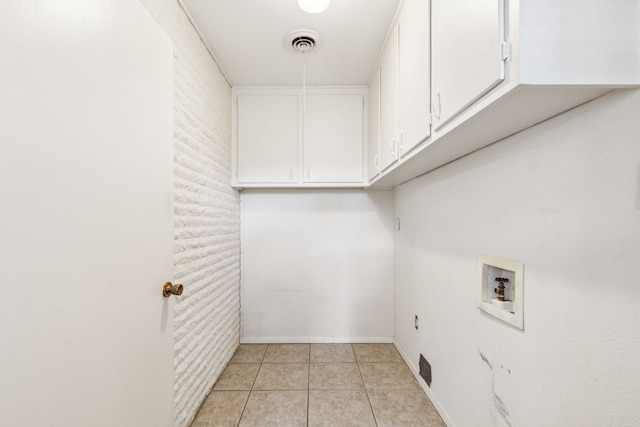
[(303, 41)]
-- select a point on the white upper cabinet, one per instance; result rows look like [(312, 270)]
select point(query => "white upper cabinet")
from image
[(454, 76), (287, 138), (413, 75), (404, 85), (374, 126), (333, 138), (267, 138), (501, 66), (466, 53), (389, 140)]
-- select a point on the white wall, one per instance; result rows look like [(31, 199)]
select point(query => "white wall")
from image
[(563, 198), (317, 266), (206, 214)]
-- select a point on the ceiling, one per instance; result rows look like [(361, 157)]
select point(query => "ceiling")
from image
[(249, 39)]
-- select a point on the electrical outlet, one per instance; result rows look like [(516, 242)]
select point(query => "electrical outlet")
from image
[(415, 322), (397, 224)]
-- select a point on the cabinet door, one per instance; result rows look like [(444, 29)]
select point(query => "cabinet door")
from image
[(374, 126), (414, 106), (333, 138), (267, 138), (466, 53), (389, 102)]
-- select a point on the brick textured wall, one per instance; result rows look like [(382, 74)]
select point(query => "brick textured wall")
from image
[(206, 215)]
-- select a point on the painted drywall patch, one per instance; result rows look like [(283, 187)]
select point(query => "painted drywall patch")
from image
[(499, 404)]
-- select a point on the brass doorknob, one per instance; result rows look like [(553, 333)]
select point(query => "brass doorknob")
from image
[(169, 289)]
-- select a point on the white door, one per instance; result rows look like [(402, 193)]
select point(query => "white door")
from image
[(466, 53), (414, 101), (267, 138), (85, 215), (374, 126), (333, 138), (389, 101)]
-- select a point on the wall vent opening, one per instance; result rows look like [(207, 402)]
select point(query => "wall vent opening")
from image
[(425, 370)]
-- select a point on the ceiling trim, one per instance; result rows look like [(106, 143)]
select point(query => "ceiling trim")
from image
[(204, 40)]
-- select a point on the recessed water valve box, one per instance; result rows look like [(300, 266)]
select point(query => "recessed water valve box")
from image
[(500, 291)]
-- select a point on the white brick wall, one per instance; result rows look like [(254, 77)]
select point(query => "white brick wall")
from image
[(207, 215)]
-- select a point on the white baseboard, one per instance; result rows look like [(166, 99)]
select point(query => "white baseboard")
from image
[(314, 340), (424, 386)]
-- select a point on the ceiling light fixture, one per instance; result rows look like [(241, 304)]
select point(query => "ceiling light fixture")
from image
[(314, 6)]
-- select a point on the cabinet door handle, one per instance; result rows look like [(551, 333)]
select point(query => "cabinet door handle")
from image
[(401, 147), (436, 105), (376, 162), (393, 147)]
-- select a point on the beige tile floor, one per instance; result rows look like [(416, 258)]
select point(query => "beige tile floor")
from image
[(311, 385)]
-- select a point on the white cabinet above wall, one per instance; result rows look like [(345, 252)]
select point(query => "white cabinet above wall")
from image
[(400, 89), (373, 153), (267, 135), (389, 140), (500, 66), (466, 54), (293, 138), (333, 138), (414, 118)]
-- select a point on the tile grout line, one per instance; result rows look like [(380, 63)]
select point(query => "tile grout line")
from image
[(366, 390), (252, 385), (308, 384)]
